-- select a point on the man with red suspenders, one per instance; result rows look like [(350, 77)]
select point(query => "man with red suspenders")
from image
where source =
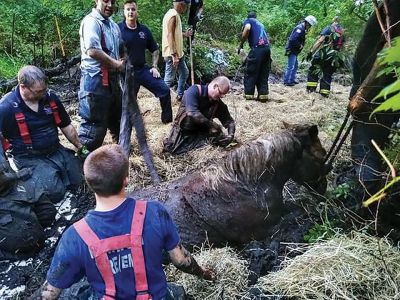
[(30, 116), (99, 92), (119, 245), (194, 126)]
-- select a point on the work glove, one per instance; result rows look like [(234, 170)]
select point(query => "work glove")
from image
[(82, 153), (309, 56), (240, 49), (198, 18), (225, 141)]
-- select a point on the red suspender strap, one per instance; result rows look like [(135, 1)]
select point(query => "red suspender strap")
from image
[(137, 251), (199, 87), (104, 69), (54, 109), (5, 143), (23, 129)]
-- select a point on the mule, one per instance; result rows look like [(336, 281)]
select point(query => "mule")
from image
[(237, 198)]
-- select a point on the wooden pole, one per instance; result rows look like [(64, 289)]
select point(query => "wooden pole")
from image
[(191, 60)]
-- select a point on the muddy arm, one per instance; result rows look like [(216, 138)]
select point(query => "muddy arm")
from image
[(184, 261), (46, 292)]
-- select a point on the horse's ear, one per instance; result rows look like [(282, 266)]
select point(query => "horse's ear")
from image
[(286, 125), (313, 131)]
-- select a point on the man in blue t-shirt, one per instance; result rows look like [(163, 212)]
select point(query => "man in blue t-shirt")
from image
[(258, 62), (294, 46), (137, 38), (30, 116), (324, 59), (106, 173)]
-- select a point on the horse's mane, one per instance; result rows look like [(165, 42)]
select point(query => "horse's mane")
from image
[(245, 165)]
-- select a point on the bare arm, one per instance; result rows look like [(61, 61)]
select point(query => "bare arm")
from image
[(171, 34), (103, 58), (184, 261), (245, 34), (318, 43), (154, 69), (46, 292), (71, 135)]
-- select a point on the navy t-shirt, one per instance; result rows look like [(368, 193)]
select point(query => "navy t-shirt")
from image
[(297, 39), (258, 36), (72, 259), (41, 125), (137, 41)]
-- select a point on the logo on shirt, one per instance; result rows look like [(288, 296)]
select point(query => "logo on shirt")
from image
[(142, 35), (298, 31), (47, 110)]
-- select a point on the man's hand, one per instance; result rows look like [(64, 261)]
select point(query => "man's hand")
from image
[(225, 141), (209, 274), (214, 129), (154, 71), (175, 61), (188, 32), (120, 65), (82, 153)]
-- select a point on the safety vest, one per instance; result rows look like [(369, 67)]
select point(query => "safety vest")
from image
[(23, 127), (99, 249)]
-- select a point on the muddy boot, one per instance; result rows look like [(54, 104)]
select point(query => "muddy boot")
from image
[(262, 98)]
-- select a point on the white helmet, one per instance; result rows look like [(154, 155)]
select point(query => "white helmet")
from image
[(311, 20)]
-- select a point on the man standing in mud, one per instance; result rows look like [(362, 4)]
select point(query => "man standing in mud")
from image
[(137, 38), (258, 62), (99, 93), (172, 46), (324, 58), (194, 126), (30, 116), (119, 244)]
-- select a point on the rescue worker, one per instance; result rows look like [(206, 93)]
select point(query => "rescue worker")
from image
[(24, 211), (294, 46), (30, 116), (99, 92), (194, 126), (172, 46), (370, 168), (258, 62), (119, 245), (195, 14), (137, 38), (323, 60)]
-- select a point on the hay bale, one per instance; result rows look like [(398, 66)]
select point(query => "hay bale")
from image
[(357, 266), (232, 273)]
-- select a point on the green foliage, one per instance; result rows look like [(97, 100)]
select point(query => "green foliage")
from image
[(9, 66), (323, 231), (389, 58), (342, 191)]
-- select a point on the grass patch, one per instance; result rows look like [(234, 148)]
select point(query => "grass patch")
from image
[(9, 66)]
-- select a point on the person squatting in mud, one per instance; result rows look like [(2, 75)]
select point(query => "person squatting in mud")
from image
[(25, 210), (258, 62), (119, 244), (30, 116), (194, 126), (99, 92), (137, 38)]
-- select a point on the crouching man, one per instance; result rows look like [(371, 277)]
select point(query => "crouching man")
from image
[(194, 126), (118, 246)]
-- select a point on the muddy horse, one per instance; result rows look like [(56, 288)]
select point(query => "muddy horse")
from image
[(237, 198)]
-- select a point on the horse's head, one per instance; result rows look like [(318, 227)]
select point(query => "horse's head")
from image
[(309, 169)]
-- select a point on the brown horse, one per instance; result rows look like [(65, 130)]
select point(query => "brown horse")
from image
[(239, 197)]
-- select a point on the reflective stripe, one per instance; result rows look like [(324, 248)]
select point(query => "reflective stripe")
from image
[(263, 98), (249, 97), (312, 84), (324, 91)]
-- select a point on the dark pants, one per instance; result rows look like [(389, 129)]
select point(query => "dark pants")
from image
[(24, 212), (56, 172), (320, 71), (258, 65), (99, 109), (158, 87)]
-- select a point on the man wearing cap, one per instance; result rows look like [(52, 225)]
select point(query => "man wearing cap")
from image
[(99, 92), (258, 62), (294, 46), (324, 59), (137, 38), (172, 46)]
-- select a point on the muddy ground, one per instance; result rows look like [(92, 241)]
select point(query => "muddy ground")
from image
[(292, 104)]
